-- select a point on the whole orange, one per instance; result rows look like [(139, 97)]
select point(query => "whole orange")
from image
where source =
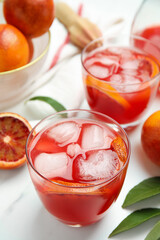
[(14, 48), (32, 17), (150, 137)]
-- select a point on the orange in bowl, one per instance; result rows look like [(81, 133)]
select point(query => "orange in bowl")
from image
[(32, 17), (14, 48), (17, 84), (150, 137)]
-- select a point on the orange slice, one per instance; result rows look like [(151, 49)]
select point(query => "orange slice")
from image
[(14, 130), (119, 147), (154, 65), (106, 88), (64, 187)]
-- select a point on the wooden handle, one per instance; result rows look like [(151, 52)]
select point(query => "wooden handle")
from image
[(65, 14)]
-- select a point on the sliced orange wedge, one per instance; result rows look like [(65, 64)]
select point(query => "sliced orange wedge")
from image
[(64, 187), (155, 68), (119, 147), (154, 65), (106, 88), (146, 87)]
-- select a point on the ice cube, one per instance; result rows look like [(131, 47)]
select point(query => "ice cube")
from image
[(145, 67), (65, 133), (115, 50), (130, 72), (73, 149), (99, 71), (116, 78), (102, 67), (98, 165), (128, 79), (110, 60), (94, 137), (134, 64), (129, 84), (51, 165), (127, 54), (144, 77), (105, 59), (120, 51)]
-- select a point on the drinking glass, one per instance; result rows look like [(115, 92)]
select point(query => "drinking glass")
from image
[(82, 197), (121, 76), (147, 21)]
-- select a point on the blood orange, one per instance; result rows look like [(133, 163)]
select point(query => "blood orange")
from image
[(32, 17), (14, 130), (150, 137), (14, 48)]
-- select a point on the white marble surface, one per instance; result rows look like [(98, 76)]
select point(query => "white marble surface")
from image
[(22, 215)]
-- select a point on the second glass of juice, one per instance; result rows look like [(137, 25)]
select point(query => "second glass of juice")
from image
[(121, 77), (77, 161), (148, 27)]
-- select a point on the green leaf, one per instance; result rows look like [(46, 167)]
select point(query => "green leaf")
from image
[(136, 218), (154, 233), (148, 188), (53, 103)]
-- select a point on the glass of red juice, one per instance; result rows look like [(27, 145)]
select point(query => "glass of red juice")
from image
[(77, 161), (147, 25), (121, 77), (146, 22)]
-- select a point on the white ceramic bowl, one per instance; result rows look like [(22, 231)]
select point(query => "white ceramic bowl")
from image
[(15, 85)]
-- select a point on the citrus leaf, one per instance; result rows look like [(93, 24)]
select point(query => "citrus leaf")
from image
[(154, 233), (136, 218), (147, 188), (52, 102)]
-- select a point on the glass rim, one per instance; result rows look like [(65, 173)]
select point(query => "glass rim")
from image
[(131, 36), (91, 185), (31, 62)]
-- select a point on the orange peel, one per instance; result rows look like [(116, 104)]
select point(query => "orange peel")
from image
[(119, 147), (155, 66), (106, 88)]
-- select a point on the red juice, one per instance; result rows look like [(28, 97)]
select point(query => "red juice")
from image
[(152, 33), (82, 166), (118, 82)]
